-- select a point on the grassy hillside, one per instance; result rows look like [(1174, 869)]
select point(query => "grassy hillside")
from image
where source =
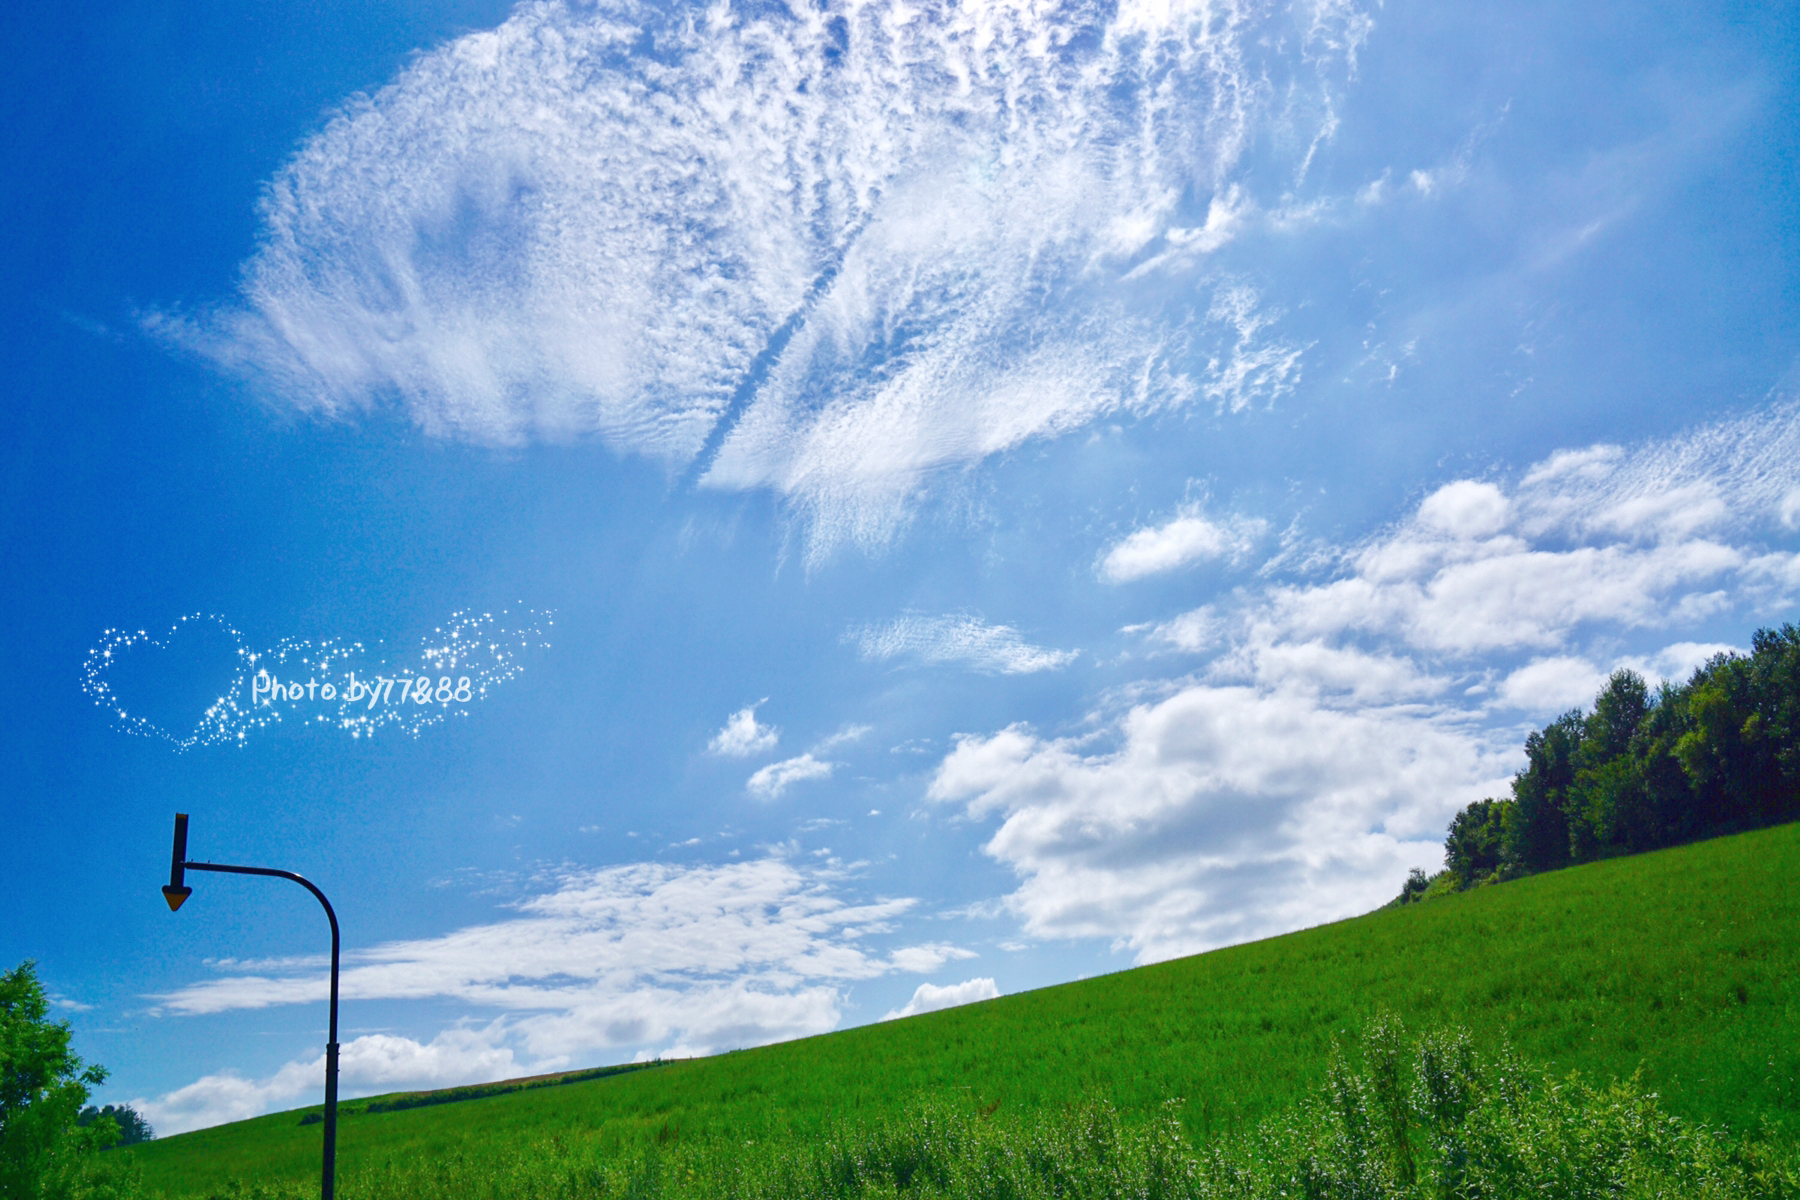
[(1684, 963)]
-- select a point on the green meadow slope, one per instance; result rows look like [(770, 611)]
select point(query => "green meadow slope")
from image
[(1684, 964)]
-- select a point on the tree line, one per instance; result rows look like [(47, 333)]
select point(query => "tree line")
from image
[(1642, 770)]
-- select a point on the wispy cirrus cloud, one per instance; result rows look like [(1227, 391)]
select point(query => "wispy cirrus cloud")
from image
[(955, 640), (824, 251)]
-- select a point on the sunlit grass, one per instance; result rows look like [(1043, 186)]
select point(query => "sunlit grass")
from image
[(1684, 965)]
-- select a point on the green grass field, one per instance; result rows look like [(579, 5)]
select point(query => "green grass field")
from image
[(1684, 964)]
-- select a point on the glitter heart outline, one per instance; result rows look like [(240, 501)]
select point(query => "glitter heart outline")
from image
[(107, 652), (472, 641)]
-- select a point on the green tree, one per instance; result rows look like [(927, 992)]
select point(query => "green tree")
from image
[(42, 1088), (1777, 655), (1537, 822), (1667, 812), (1607, 792), (1718, 754), (1474, 849)]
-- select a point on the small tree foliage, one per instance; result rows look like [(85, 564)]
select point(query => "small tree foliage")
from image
[(43, 1146)]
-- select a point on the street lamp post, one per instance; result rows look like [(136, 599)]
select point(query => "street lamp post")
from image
[(177, 892)]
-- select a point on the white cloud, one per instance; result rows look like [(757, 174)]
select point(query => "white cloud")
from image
[(1552, 685), (1462, 598), (1733, 475), (648, 955), (843, 737), (1188, 538), (1347, 673), (1336, 724), (1254, 367), (1555, 685), (228, 1096), (1226, 813), (1679, 661), (924, 959), (1193, 631), (774, 779), (961, 640), (615, 931), (742, 737), (547, 231), (929, 997), (366, 1065), (1646, 538), (1465, 509)]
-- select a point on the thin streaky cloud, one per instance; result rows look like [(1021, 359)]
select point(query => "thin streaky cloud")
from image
[(955, 640), (843, 737), (772, 781)]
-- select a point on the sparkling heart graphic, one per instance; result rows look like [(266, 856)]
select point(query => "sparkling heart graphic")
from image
[(174, 686), (153, 686)]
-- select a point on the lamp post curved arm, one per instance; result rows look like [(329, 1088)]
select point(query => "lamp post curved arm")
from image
[(176, 893)]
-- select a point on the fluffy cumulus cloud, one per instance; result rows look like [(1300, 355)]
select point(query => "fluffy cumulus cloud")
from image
[(1648, 539), (1188, 538), (1557, 683), (1336, 722), (822, 249), (1227, 813), (956, 640), (646, 957), (930, 997), (743, 736)]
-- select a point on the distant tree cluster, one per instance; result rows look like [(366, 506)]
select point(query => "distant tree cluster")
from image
[(1643, 770), (131, 1124)]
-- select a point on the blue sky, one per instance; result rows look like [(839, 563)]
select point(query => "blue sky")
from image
[(931, 501)]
